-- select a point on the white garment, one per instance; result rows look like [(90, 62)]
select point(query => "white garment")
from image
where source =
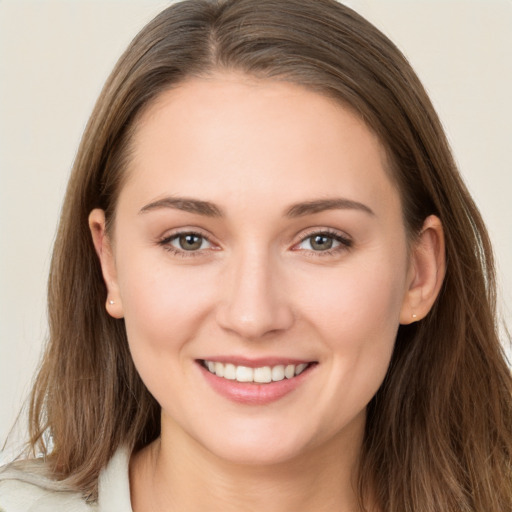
[(21, 492)]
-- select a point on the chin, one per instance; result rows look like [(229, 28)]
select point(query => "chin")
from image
[(262, 444), (262, 454)]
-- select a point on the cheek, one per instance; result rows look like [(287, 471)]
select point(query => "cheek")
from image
[(356, 301), (164, 305), (356, 316), (164, 309)]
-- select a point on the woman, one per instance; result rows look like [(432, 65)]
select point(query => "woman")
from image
[(270, 288)]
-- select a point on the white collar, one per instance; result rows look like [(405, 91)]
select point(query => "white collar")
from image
[(114, 484)]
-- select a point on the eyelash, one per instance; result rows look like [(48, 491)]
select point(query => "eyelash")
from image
[(166, 244), (345, 243)]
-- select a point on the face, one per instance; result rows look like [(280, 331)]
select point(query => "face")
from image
[(258, 237)]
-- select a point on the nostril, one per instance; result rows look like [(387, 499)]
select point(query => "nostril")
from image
[(253, 321)]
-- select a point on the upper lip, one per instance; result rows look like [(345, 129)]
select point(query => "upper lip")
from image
[(257, 362)]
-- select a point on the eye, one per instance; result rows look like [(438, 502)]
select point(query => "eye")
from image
[(185, 242), (189, 242), (324, 242), (320, 242)]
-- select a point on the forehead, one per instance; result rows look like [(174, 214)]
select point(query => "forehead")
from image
[(229, 136)]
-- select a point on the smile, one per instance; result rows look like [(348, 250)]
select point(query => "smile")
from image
[(261, 375), (253, 382)]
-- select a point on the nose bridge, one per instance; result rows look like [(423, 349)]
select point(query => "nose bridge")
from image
[(253, 302)]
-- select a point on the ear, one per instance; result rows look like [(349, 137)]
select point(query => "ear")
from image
[(427, 266), (103, 247)]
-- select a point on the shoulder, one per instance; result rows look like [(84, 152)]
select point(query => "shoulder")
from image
[(26, 489), (26, 492)]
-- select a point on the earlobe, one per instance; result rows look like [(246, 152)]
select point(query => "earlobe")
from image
[(426, 272), (103, 247)]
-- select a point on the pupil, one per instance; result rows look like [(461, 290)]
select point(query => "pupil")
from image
[(190, 242), (321, 242)]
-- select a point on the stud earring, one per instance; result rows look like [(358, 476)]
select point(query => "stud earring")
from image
[(414, 315), (111, 302)]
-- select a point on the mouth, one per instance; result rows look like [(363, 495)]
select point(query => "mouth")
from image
[(255, 382), (265, 374)]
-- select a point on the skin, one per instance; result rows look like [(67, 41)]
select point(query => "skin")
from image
[(257, 287)]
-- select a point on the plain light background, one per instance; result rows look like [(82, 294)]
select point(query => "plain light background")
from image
[(55, 56)]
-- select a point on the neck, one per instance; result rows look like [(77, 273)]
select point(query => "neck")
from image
[(176, 473)]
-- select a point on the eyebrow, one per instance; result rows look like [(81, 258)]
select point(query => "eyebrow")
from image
[(185, 204), (320, 205), (302, 209)]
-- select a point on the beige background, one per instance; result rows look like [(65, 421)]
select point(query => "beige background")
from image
[(55, 56)]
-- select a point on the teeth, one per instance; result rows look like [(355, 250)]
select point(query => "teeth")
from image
[(289, 371), (260, 375), (300, 368), (243, 374), (229, 371), (278, 373), (263, 375), (219, 369)]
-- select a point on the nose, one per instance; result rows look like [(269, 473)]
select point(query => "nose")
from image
[(254, 302)]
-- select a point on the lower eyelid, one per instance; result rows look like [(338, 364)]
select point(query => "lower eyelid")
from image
[(334, 252)]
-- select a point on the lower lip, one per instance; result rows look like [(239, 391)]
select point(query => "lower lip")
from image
[(251, 393)]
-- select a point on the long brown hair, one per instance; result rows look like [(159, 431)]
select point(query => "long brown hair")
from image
[(439, 431)]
